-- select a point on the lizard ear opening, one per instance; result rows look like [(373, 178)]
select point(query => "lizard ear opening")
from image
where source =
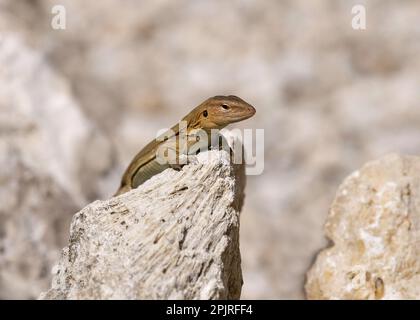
[(205, 113)]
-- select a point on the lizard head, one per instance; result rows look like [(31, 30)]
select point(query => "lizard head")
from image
[(219, 111)]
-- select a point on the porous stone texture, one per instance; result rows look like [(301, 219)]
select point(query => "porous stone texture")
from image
[(374, 225), (174, 237)]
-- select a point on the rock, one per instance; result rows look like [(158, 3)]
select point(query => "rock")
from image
[(174, 237), (327, 104), (374, 225), (44, 144)]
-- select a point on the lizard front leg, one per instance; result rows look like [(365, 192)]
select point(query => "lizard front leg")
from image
[(177, 156)]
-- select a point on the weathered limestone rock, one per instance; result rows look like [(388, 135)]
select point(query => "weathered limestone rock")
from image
[(374, 224), (174, 237)]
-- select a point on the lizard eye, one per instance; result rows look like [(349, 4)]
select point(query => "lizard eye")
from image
[(205, 113), (225, 106)]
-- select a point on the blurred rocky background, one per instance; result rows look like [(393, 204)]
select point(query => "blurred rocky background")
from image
[(77, 104)]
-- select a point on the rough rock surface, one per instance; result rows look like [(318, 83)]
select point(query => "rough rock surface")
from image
[(174, 237), (374, 224)]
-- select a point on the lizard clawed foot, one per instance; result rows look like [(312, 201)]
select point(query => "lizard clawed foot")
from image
[(181, 161), (177, 167), (192, 159), (184, 160)]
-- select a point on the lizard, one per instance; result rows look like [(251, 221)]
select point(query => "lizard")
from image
[(214, 113)]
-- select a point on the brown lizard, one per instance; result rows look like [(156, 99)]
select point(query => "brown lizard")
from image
[(214, 113)]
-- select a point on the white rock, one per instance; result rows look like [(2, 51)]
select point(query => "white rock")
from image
[(375, 231), (174, 237)]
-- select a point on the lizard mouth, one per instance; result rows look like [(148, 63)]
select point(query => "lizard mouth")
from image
[(250, 111)]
